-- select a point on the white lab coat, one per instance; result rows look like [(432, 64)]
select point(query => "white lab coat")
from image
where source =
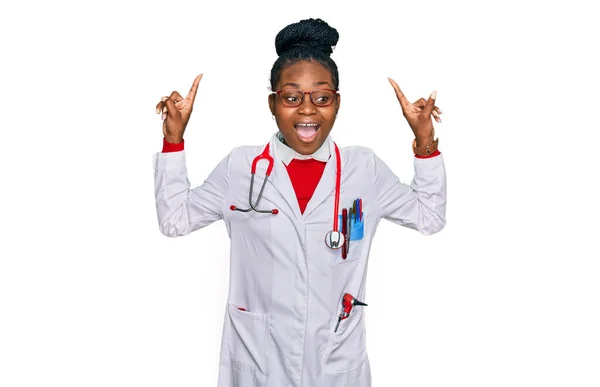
[(282, 273)]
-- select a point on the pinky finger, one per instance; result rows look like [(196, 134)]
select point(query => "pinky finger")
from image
[(159, 107)]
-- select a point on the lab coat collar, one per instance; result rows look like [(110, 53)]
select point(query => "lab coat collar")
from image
[(287, 154)]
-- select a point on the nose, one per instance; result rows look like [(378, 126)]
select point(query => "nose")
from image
[(307, 107)]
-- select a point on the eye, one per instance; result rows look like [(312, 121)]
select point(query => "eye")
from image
[(322, 97), (291, 97)]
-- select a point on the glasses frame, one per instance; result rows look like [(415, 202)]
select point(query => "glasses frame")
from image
[(278, 93)]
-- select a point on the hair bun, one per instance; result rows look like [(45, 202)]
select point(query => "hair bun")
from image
[(314, 33)]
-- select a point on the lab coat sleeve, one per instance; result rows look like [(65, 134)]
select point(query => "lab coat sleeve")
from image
[(179, 208), (420, 205)]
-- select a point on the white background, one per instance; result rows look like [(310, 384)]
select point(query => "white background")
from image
[(92, 294)]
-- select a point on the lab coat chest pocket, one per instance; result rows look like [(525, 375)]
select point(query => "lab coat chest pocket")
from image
[(346, 349), (249, 339), (354, 246)]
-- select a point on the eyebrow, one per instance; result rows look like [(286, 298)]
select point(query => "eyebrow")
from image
[(320, 83)]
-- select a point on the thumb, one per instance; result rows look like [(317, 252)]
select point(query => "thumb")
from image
[(430, 104)]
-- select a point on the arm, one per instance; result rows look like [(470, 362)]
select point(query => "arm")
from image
[(179, 208), (420, 205)]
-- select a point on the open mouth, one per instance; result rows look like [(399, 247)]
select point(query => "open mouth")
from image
[(307, 131)]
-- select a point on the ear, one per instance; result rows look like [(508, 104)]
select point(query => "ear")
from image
[(338, 102), (272, 103)]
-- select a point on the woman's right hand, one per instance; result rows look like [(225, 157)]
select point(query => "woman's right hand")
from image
[(176, 112)]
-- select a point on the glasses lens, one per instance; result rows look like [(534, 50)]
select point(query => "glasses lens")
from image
[(291, 97), (322, 97)]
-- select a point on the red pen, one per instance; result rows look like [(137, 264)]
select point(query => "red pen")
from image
[(360, 209), (344, 231)]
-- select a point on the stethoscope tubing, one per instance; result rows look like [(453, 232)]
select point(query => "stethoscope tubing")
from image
[(338, 178), (265, 155)]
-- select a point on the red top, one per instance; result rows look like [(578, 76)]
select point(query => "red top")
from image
[(437, 152), (304, 174), (170, 147)]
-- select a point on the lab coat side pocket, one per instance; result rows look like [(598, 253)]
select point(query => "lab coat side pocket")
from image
[(346, 349), (249, 339)]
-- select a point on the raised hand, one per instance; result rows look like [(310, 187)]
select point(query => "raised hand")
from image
[(418, 115), (176, 112)]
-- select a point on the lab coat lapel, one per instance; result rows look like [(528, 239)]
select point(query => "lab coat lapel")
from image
[(285, 197), (326, 185)]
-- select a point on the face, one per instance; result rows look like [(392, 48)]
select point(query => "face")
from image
[(305, 127)]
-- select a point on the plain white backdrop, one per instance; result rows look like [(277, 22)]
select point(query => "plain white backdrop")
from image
[(92, 294)]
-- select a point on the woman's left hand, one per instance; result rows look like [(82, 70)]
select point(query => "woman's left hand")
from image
[(418, 115)]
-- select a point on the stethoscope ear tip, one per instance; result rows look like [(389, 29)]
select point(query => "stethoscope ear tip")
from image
[(232, 207), (275, 211)]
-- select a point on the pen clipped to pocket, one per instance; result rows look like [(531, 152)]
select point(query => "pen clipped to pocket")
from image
[(355, 220)]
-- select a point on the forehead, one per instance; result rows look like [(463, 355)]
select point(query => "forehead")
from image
[(305, 75)]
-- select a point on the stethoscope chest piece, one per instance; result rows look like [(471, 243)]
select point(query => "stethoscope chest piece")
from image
[(334, 239)]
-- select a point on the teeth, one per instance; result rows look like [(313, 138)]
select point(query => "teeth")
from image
[(307, 124)]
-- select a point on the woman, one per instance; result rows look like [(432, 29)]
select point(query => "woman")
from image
[(300, 244)]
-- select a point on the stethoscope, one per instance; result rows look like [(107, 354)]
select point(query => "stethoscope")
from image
[(334, 238)]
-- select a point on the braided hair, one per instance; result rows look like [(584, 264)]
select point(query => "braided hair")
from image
[(307, 40)]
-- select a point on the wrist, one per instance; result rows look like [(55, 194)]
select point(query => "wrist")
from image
[(422, 142), (174, 140), (425, 150)]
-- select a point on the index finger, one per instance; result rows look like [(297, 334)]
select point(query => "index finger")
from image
[(192, 94), (401, 98)]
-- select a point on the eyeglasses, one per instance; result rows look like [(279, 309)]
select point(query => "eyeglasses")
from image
[(294, 98)]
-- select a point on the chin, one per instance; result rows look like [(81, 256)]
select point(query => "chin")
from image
[(309, 147)]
